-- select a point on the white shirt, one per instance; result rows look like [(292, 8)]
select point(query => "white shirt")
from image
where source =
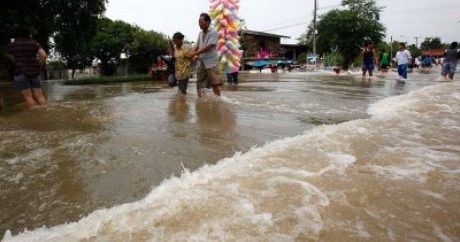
[(402, 57)]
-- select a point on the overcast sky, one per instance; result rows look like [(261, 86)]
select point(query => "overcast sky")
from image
[(404, 19)]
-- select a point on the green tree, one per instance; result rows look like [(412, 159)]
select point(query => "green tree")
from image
[(144, 49), (112, 39), (307, 37), (75, 29), (348, 30), (365, 8), (414, 50), (431, 43), (14, 14), (69, 22)]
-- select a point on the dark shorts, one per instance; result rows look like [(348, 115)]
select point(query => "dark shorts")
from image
[(207, 78), (368, 67), (232, 77), (449, 68), (384, 66), (23, 82)]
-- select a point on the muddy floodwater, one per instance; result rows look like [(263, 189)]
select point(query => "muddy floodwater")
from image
[(285, 157)]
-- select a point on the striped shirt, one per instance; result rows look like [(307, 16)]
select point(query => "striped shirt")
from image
[(24, 52)]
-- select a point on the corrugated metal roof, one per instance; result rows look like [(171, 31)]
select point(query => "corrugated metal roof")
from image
[(434, 52)]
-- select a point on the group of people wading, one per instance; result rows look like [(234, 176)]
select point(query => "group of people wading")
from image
[(403, 59), (29, 59)]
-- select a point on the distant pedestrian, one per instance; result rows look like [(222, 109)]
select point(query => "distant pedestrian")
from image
[(451, 57), (417, 62), (384, 61), (368, 54), (403, 58), (232, 77), (206, 50), (183, 59), (27, 67), (427, 62)]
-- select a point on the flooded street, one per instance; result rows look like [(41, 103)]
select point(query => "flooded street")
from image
[(286, 157)]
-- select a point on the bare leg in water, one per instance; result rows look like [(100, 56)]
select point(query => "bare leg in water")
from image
[(27, 94), (38, 94), (216, 90)]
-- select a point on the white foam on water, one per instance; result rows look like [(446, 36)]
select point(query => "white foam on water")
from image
[(433, 194), (294, 108), (270, 193), (16, 178), (33, 155), (441, 235)]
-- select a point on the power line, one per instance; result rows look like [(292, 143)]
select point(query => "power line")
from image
[(286, 26), (284, 22)]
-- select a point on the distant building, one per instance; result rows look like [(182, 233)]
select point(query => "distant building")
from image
[(260, 45), (292, 51), (253, 41), (434, 52)]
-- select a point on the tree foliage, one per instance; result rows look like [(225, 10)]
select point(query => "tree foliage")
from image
[(71, 23), (307, 37), (75, 26), (365, 8), (432, 43), (112, 39), (144, 49), (347, 31)]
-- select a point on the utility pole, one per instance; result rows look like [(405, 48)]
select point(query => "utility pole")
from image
[(314, 31), (416, 41), (391, 47)]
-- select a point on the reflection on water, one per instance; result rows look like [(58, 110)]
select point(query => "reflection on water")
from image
[(216, 124), (179, 109), (96, 147)]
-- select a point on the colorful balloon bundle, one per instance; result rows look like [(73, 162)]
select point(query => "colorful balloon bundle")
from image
[(226, 22)]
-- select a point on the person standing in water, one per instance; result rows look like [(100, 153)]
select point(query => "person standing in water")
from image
[(29, 58), (403, 58), (183, 56), (451, 57), (205, 49), (232, 76), (369, 60), (384, 61)]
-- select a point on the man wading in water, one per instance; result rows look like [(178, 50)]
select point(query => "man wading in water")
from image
[(205, 49)]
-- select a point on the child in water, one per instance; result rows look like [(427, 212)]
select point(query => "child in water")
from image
[(183, 60)]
